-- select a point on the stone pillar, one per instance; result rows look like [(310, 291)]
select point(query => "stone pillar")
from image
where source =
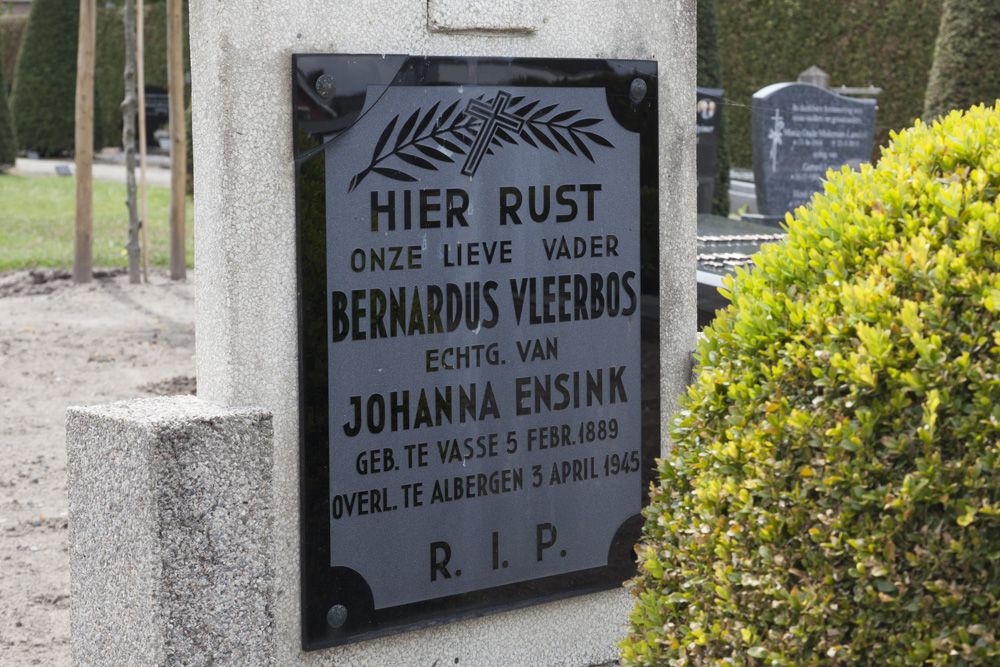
[(171, 525), (247, 334)]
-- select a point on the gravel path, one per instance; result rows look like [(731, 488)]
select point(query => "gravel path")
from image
[(60, 345)]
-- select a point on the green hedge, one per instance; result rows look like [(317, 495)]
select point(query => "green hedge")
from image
[(43, 98), (833, 492), (710, 76), (11, 30), (110, 59), (8, 146), (965, 70), (111, 62), (886, 43)]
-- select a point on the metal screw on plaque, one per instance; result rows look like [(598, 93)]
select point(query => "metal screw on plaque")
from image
[(637, 91), (326, 86), (337, 616)]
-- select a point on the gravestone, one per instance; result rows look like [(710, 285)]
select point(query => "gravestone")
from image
[(157, 103), (709, 125), (799, 132), (472, 326), (298, 184)]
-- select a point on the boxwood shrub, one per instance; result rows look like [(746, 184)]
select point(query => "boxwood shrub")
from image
[(833, 492)]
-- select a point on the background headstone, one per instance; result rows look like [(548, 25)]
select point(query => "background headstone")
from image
[(709, 126), (800, 131), (157, 112)]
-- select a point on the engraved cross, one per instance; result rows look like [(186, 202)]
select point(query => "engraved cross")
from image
[(492, 116), (775, 136)]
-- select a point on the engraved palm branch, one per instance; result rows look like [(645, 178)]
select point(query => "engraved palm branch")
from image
[(474, 131)]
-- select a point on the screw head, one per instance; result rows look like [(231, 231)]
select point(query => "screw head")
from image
[(337, 616), (637, 91), (326, 86)]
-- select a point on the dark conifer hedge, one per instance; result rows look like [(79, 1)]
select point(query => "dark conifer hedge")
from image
[(965, 68), (111, 61), (710, 76), (11, 30), (887, 43), (110, 57), (44, 96), (8, 147)]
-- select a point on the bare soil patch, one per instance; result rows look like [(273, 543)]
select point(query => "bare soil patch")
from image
[(60, 345)]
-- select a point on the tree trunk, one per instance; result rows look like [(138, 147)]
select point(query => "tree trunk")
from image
[(83, 242), (178, 143), (128, 139), (140, 57)]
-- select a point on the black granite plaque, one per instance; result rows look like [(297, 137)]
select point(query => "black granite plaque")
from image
[(800, 131), (709, 127), (479, 373)]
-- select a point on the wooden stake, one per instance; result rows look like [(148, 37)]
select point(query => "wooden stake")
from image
[(178, 142), (83, 242), (140, 58)]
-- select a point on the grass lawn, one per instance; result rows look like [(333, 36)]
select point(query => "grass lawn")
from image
[(36, 223)]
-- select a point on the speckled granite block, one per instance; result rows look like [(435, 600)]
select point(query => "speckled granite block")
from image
[(170, 533)]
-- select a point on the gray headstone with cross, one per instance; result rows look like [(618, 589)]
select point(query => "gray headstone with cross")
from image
[(799, 132)]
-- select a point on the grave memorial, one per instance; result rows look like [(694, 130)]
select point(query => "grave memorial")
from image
[(708, 124), (404, 265), (471, 300), (157, 112), (799, 132)]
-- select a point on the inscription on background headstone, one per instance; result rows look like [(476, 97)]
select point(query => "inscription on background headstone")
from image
[(708, 125), (472, 295), (799, 132)]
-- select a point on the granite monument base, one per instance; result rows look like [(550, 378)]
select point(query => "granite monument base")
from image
[(173, 556), (171, 524)]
